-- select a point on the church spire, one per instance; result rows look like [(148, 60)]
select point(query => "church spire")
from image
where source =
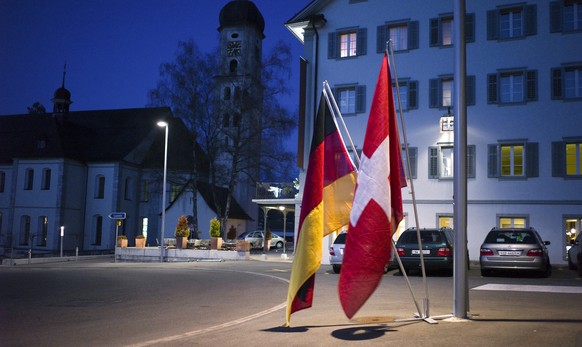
[(62, 97)]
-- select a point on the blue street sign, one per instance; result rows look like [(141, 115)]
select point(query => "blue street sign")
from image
[(117, 215)]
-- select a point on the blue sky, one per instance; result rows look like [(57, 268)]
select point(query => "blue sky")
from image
[(112, 48)]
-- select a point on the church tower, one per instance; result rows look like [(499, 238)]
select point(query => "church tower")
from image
[(62, 97), (241, 95)]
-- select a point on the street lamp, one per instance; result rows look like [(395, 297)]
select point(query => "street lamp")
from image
[(164, 125)]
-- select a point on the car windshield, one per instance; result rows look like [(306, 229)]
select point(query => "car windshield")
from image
[(427, 237), (341, 238), (510, 236)]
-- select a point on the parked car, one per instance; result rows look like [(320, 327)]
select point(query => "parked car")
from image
[(575, 254), (336, 254), (514, 249), (437, 249), (255, 239)]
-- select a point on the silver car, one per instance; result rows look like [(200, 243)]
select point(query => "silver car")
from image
[(336, 252), (575, 254), (514, 249)]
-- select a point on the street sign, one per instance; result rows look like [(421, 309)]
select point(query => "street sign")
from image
[(117, 215)]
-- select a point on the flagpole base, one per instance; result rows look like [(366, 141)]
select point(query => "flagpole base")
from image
[(429, 320)]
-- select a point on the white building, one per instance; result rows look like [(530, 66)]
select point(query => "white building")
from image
[(524, 103)]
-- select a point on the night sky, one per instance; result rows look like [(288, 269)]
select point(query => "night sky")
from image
[(112, 48)]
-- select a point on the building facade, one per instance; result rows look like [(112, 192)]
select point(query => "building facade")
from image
[(523, 95)]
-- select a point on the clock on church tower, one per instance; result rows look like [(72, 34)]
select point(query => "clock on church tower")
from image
[(233, 48)]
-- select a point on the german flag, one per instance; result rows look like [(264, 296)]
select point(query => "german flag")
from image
[(327, 200)]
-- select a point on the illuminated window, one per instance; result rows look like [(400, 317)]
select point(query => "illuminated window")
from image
[(347, 43), (567, 158), (512, 160), (441, 30), (440, 161), (512, 222), (445, 221), (574, 159), (517, 159), (441, 91)]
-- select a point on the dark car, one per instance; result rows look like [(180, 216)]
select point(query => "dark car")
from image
[(437, 249), (575, 254), (517, 249)]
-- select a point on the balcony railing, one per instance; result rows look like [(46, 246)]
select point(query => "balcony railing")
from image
[(276, 190)]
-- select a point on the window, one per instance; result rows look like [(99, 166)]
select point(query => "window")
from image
[(441, 158), (404, 36), (24, 230), (512, 22), (565, 16), (98, 224), (28, 179), (145, 191), (42, 230), (441, 30), (233, 66), (516, 86), (513, 159), (351, 98), (441, 91), (408, 94), (512, 222), (573, 227), (413, 153), (445, 221), (174, 192), (347, 43), (567, 158), (46, 179), (99, 187), (2, 181), (144, 226), (567, 82)]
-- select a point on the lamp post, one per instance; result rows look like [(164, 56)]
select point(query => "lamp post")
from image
[(164, 125)]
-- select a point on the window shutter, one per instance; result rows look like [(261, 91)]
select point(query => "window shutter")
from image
[(360, 99), (530, 26), (434, 32), (532, 159), (531, 92), (470, 27), (433, 162), (381, 38), (557, 83), (492, 170), (413, 34), (412, 95), (413, 153), (433, 93), (492, 88), (492, 25), (470, 90), (555, 17), (558, 159), (362, 41), (332, 46), (471, 161)]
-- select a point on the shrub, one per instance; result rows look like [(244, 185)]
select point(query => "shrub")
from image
[(182, 227), (121, 237), (140, 236), (214, 227)]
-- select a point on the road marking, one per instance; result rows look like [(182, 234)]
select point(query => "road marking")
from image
[(530, 288)]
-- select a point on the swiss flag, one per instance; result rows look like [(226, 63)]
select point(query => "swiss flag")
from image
[(377, 206)]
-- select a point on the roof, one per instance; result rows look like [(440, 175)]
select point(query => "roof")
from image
[(235, 211), (128, 135)]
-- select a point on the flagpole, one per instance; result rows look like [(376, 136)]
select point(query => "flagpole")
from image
[(331, 101), (425, 313)]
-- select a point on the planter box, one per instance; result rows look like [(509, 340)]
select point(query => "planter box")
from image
[(122, 243), (243, 246), (140, 243), (181, 242), (215, 242)]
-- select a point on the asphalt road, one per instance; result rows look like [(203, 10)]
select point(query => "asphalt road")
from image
[(101, 303)]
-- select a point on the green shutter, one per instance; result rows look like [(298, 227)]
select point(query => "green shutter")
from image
[(492, 91), (362, 41), (531, 92), (433, 93), (492, 25), (555, 16), (332, 46), (471, 161), (557, 90), (412, 152), (532, 159), (558, 159), (470, 90), (530, 26), (360, 99), (413, 34), (434, 37), (433, 162), (470, 27), (412, 95), (492, 162), (381, 38)]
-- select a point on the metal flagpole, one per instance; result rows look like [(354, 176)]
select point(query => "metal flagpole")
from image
[(425, 314), (460, 290)]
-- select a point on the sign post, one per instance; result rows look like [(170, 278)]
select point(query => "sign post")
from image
[(117, 216)]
